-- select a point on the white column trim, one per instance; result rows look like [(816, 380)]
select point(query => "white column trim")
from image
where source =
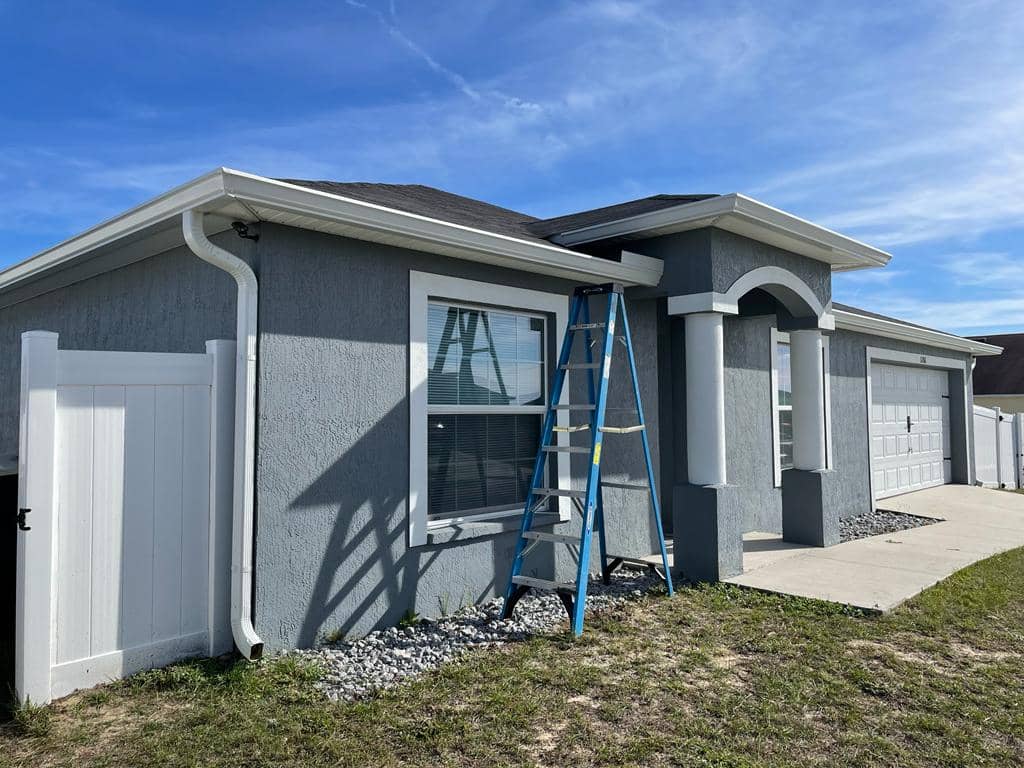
[(806, 361), (705, 399), (775, 337), (785, 286)]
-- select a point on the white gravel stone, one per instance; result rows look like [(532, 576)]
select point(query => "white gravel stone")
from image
[(355, 669)]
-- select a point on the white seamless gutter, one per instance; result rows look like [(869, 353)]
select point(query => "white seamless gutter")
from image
[(242, 528), (745, 216), (236, 195), (876, 326)]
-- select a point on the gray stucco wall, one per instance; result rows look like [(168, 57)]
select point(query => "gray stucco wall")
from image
[(750, 458), (172, 302), (733, 255), (333, 462), (709, 259)]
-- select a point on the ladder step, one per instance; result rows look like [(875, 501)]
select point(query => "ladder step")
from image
[(577, 428), (558, 538), (580, 366), (566, 492), (529, 581), (623, 430), (565, 449), (567, 407), (627, 486), (587, 326)]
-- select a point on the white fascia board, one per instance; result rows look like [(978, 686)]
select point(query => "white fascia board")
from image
[(195, 194), (422, 232), (745, 216), (223, 186), (851, 321)]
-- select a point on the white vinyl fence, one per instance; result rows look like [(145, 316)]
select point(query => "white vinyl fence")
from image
[(998, 444), (125, 466)]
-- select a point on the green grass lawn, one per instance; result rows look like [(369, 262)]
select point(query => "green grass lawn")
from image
[(716, 676)]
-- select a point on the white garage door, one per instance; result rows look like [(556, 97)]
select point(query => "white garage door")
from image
[(909, 428)]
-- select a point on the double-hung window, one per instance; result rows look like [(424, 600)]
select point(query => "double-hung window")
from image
[(478, 379), (486, 386)]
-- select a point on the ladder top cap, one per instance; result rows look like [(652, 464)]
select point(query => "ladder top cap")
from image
[(593, 290)]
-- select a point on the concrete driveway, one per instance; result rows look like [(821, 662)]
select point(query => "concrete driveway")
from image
[(880, 572)]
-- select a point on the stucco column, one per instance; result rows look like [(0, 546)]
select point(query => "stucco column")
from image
[(705, 399), (808, 399)]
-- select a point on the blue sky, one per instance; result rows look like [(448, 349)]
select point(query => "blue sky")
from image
[(901, 124)]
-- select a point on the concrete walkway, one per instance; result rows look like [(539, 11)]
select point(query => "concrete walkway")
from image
[(880, 572)]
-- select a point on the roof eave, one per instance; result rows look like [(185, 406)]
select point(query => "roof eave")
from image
[(267, 199), (328, 212), (854, 321), (745, 216)]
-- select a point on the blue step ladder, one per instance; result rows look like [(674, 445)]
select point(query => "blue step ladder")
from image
[(588, 502)]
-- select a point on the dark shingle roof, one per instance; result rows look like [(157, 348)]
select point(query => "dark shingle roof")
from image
[(866, 313), (572, 221), (1001, 374), (456, 209), (431, 202)]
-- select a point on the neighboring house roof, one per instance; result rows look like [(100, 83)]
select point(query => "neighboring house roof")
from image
[(854, 319), (1003, 375)]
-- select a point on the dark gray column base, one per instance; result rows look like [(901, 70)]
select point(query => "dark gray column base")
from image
[(811, 502), (707, 533)]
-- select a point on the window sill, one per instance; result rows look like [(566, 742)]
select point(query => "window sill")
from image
[(475, 529)]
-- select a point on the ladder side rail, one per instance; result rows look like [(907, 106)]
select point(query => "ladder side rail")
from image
[(602, 541), (541, 461), (655, 504), (583, 568)]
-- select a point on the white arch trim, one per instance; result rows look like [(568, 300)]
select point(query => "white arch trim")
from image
[(789, 289)]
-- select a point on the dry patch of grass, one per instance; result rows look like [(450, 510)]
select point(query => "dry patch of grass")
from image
[(715, 677)]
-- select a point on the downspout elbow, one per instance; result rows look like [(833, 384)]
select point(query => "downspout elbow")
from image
[(243, 523)]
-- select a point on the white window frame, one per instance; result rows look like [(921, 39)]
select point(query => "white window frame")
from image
[(424, 287), (781, 337)]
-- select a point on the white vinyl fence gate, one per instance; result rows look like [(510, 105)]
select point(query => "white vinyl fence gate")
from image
[(998, 445), (125, 468)]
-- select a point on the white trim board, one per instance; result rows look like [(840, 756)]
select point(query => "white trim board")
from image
[(235, 195), (744, 216), (424, 286), (918, 361), (788, 289), (892, 329)]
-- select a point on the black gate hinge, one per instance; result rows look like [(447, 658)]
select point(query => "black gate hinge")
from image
[(21, 520)]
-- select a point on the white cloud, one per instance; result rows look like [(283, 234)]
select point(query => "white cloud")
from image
[(927, 147), (998, 270)]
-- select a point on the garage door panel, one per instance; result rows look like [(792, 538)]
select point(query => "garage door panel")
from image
[(905, 460)]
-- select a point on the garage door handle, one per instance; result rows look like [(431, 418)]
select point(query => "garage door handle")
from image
[(909, 424)]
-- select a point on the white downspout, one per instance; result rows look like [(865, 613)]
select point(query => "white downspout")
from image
[(242, 528)]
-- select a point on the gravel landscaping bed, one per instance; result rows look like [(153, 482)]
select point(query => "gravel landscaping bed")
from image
[(878, 522), (355, 669)]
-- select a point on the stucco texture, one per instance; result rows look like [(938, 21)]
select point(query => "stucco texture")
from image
[(333, 467)]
